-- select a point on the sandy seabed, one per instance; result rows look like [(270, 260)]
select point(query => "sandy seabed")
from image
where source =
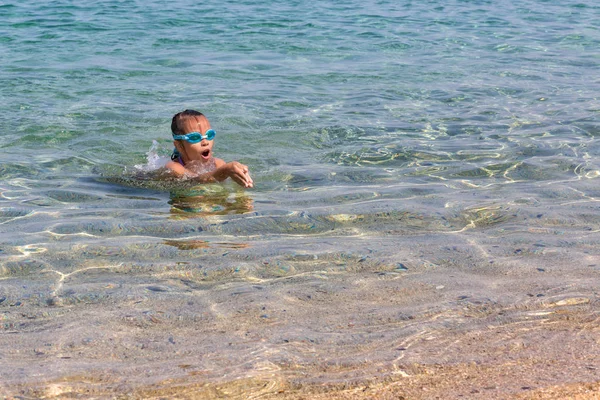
[(479, 321), (386, 335)]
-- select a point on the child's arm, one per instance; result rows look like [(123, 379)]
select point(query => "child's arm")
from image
[(234, 170)]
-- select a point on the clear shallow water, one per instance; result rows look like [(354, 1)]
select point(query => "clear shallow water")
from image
[(384, 140)]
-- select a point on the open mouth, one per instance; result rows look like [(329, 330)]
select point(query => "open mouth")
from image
[(205, 154)]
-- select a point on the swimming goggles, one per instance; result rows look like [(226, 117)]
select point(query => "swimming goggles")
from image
[(196, 137)]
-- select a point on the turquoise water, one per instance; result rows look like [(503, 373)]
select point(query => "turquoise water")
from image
[(383, 138)]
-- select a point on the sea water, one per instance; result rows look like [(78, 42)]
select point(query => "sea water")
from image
[(407, 157)]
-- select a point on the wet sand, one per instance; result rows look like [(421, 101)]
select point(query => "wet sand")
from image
[(513, 331)]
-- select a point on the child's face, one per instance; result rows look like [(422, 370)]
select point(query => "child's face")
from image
[(201, 151)]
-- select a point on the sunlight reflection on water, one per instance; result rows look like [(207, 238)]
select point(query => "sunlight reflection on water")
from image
[(425, 194)]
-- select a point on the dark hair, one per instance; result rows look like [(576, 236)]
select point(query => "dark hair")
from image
[(180, 118)]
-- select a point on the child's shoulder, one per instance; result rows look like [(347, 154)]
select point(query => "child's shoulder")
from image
[(175, 167)]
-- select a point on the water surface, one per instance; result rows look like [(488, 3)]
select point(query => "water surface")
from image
[(413, 162)]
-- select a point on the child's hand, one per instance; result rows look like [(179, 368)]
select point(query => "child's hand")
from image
[(240, 174)]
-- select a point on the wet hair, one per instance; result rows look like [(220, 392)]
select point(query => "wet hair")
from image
[(177, 123), (179, 120)]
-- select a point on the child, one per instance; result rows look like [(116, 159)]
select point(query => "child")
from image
[(193, 154)]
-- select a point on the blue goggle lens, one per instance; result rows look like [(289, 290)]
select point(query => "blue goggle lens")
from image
[(196, 137)]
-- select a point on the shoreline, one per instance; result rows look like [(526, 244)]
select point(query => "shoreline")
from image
[(427, 382)]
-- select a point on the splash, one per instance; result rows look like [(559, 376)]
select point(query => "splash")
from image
[(154, 161), (152, 174)]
